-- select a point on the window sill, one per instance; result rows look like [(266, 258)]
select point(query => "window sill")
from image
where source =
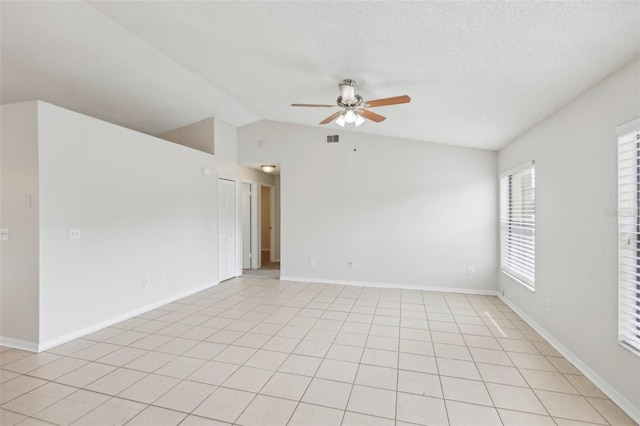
[(519, 281)]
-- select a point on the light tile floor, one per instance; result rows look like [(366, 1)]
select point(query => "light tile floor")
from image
[(268, 352)]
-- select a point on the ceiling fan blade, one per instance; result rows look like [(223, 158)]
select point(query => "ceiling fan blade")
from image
[(314, 105), (372, 115), (388, 101), (330, 118)]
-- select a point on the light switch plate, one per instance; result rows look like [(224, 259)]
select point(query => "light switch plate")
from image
[(74, 234), (4, 234)]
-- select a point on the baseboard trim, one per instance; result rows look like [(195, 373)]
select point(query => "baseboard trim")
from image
[(111, 321), (615, 396), (18, 344), (390, 285)]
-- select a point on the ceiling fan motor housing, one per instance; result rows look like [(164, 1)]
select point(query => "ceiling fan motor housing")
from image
[(357, 101), (348, 96)]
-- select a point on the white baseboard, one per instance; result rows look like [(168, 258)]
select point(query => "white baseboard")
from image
[(95, 327), (18, 344), (615, 396), (394, 285)]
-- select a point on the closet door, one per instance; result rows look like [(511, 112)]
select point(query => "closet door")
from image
[(226, 229)]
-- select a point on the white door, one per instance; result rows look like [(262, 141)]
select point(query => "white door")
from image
[(246, 225), (226, 229)]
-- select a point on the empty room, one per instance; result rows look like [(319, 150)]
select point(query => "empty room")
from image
[(319, 213)]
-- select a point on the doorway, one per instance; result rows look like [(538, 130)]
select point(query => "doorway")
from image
[(263, 261), (265, 225), (268, 227)]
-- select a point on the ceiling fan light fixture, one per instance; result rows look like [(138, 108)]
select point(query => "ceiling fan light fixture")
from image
[(349, 116), (268, 168), (340, 120), (359, 120)]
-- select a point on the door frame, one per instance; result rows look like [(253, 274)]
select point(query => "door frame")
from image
[(254, 228)]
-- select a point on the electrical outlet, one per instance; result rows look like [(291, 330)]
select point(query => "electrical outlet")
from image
[(470, 270), (163, 278), (548, 304), (312, 262), (74, 234), (146, 283), (350, 263), (4, 234)]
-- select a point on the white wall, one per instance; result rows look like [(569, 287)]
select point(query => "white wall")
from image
[(144, 209), (19, 256), (215, 135), (198, 135), (143, 205), (225, 137), (405, 212), (576, 262)]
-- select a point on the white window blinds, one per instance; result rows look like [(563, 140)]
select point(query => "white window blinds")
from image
[(518, 224), (628, 234)]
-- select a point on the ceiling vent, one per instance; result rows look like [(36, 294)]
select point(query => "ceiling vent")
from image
[(333, 138)]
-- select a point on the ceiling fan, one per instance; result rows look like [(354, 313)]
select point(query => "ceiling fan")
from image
[(354, 108)]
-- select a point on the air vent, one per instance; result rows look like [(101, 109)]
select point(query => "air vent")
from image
[(333, 138)]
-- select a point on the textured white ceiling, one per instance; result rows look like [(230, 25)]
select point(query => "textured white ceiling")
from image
[(479, 73)]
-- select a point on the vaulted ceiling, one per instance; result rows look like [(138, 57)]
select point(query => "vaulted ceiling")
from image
[(479, 73)]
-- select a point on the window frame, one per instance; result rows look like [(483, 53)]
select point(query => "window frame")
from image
[(507, 225), (628, 227)]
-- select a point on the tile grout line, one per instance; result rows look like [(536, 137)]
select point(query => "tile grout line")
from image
[(444, 397), (258, 393), (344, 413), (314, 374), (250, 290)]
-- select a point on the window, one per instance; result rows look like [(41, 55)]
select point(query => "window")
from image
[(518, 224), (628, 234)]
